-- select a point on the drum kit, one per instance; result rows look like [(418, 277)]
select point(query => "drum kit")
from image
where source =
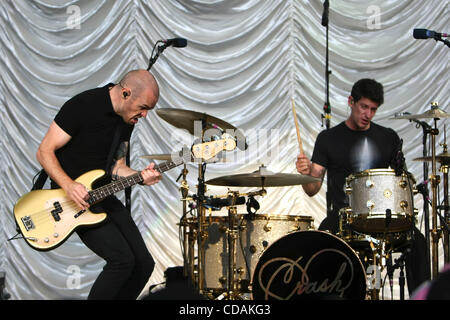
[(270, 256)]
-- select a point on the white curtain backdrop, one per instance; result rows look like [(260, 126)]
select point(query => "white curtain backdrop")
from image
[(245, 61)]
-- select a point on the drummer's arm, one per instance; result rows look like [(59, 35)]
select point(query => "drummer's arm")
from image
[(306, 167)]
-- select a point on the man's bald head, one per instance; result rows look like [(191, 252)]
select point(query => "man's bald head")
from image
[(135, 95), (139, 81)]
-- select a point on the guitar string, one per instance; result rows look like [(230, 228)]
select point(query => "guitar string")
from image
[(109, 188)]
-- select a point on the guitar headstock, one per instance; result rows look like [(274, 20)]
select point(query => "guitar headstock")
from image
[(209, 150)]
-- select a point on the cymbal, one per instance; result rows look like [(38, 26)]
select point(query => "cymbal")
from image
[(262, 178), (185, 119), (434, 113), (444, 157)]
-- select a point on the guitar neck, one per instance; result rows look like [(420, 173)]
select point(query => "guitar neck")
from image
[(101, 193)]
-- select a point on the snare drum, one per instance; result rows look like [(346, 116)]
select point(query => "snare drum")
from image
[(380, 201), (255, 234), (309, 265)]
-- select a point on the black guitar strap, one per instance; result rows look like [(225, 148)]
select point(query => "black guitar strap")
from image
[(114, 146), (40, 181)]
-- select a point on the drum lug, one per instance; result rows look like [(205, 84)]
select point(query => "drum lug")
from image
[(348, 190), (403, 184), (370, 204), (403, 204), (369, 184), (267, 227)]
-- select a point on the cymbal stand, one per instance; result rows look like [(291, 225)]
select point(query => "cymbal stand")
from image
[(426, 128), (232, 233), (188, 254), (202, 234), (444, 169), (435, 179)]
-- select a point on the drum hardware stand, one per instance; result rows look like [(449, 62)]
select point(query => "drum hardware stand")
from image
[(375, 292), (187, 252), (435, 179), (232, 236), (444, 169), (400, 263), (233, 280), (202, 234), (426, 128)]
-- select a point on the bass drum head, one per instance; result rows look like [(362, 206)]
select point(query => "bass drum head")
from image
[(309, 265)]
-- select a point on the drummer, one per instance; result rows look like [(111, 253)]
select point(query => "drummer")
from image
[(354, 145)]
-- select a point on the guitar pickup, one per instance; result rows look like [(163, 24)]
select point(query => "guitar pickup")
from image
[(55, 212), (27, 223)]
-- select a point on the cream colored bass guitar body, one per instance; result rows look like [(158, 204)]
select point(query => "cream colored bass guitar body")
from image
[(46, 218)]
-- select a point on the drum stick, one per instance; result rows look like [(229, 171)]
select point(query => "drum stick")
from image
[(297, 128)]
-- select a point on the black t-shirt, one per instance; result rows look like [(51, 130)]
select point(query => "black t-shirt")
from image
[(343, 151), (90, 120)]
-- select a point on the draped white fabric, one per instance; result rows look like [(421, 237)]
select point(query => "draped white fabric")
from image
[(245, 61)]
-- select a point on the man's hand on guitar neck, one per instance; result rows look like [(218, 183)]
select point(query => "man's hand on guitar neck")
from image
[(150, 176)]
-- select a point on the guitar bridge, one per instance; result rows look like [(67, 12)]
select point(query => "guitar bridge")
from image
[(27, 223)]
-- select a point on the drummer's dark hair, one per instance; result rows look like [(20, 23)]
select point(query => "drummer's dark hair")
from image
[(370, 89)]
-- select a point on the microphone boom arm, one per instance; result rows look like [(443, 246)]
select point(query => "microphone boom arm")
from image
[(160, 50)]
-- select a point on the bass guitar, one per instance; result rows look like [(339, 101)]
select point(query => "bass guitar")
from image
[(46, 218)]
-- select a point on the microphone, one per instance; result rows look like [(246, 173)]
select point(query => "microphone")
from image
[(326, 6), (427, 34), (390, 270), (218, 203), (175, 42), (252, 203), (398, 162), (422, 188), (388, 217)]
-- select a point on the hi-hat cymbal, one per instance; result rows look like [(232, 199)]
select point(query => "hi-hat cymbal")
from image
[(442, 158), (262, 178), (434, 113), (185, 119)]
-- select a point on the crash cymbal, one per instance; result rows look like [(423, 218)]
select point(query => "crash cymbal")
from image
[(434, 113), (186, 119), (262, 178), (442, 158)]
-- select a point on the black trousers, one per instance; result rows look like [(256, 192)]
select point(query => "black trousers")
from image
[(119, 242), (417, 265)]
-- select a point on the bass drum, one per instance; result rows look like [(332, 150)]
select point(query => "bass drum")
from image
[(255, 234), (309, 265)]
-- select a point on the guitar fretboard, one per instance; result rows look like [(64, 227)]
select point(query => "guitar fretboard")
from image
[(101, 193)]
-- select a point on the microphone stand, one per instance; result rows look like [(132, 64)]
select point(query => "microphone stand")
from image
[(326, 106), (160, 50), (400, 263), (442, 40)]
